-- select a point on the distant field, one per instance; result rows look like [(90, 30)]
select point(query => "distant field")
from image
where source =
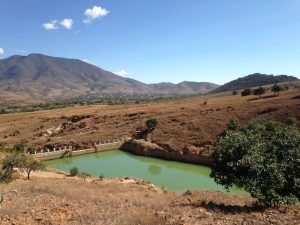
[(183, 123)]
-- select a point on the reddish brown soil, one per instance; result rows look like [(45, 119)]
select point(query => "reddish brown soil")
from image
[(181, 123), (74, 201)]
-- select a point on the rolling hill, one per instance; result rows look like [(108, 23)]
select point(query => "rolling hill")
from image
[(253, 80), (38, 76)]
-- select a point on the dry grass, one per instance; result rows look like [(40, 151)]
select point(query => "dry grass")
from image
[(182, 123), (71, 201)]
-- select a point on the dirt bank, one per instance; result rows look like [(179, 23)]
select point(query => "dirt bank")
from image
[(52, 199), (190, 155)]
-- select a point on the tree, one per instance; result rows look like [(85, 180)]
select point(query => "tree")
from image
[(8, 164), (263, 158), (151, 124), (246, 92), (234, 92), (278, 88), (259, 91), (29, 164)]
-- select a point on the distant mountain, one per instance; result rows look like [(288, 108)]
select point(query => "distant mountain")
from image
[(185, 87), (253, 80), (44, 77)]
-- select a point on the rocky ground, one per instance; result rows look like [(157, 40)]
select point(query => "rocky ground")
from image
[(58, 199)]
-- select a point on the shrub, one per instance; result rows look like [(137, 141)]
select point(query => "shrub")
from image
[(234, 92), (74, 171), (8, 164), (291, 121), (259, 91), (29, 164), (246, 92), (278, 88), (233, 124), (263, 159), (151, 124)]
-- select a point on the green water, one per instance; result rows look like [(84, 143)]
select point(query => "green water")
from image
[(174, 176)]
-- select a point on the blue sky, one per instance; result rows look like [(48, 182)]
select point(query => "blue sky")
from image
[(159, 40)]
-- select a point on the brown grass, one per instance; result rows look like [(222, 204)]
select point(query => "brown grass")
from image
[(182, 123), (73, 201)]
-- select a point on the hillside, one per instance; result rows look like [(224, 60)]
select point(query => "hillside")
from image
[(253, 80), (39, 76), (185, 87)]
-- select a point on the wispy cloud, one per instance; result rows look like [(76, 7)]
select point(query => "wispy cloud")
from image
[(67, 23), (1, 52), (51, 25), (122, 73), (94, 13)]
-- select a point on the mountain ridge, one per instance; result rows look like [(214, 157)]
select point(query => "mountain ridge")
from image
[(253, 80), (42, 76)]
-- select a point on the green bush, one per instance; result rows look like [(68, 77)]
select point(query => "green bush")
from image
[(259, 91), (74, 171), (233, 124), (263, 158), (291, 121), (151, 124), (246, 92), (234, 92)]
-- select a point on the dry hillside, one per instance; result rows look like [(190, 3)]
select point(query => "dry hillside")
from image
[(182, 123)]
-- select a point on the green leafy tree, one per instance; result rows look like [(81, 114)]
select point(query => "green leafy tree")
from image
[(263, 159), (259, 91), (29, 164), (246, 92), (8, 164), (151, 124)]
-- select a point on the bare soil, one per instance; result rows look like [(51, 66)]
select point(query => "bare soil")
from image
[(65, 200)]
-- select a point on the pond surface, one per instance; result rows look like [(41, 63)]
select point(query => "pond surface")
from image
[(174, 176)]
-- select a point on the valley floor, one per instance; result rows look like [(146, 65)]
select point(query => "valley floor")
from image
[(52, 198)]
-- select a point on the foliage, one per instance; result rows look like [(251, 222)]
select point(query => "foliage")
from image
[(234, 92), (8, 164), (29, 164), (263, 158), (74, 171), (259, 91), (246, 92), (233, 124), (151, 124), (291, 121), (277, 88), (20, 148)]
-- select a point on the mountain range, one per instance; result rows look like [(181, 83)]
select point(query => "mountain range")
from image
[(44, 77), (253, 80), (39, 77)]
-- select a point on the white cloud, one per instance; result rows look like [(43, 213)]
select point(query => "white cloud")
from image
[(94, 13), (67, 23), (51, 25), (89, 62), (122, 73), (1, 51)]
